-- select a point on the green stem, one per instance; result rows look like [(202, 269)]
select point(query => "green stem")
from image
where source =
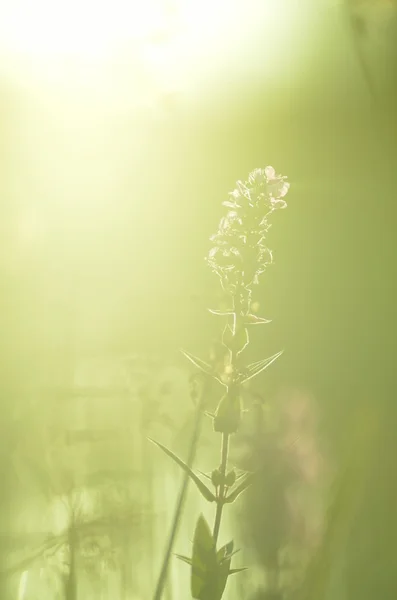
[(162, 580), (222, 487)]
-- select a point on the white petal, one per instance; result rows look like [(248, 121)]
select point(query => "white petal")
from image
[(270, 173)]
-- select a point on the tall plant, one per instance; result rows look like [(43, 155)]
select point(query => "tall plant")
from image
[(239, 256)]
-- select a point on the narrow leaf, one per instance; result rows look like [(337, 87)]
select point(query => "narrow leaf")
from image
[(255, 320), (203, 366), (232, 571), (243, 474), (185, 559), (240, 488), (258, 363), (221, 313), (209, 414), (208, 495), (197, 362), (255, 368)]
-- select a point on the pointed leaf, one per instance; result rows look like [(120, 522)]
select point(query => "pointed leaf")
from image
[(240, 488), (255, 368), (208, 495), (204, 563), (185, 559), (255, 320), (258, 363), (221, 313), (243, 474), (197, 362), (232, 571), (203, 366)]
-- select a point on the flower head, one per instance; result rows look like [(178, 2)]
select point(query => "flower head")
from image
[(240, 253)]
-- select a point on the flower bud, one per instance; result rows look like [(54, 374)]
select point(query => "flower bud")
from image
[(230, 478), (216, 478)]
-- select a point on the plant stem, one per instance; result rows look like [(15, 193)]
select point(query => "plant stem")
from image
[(222, 488), (182, 494)]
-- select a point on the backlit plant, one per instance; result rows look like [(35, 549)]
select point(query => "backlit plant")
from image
[(239, 256)]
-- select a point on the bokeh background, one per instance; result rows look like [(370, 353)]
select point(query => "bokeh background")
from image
[(122, 131)]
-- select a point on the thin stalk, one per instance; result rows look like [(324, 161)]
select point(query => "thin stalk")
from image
[(225, 438), (222, 487), (161, 583)]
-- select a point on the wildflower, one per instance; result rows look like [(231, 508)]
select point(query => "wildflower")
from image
[(240, 253)]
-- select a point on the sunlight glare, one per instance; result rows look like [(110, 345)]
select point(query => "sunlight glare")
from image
[(77, 28), (166, 36)]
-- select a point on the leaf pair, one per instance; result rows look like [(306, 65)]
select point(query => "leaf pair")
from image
[(209, 568), (206, 493), (249, 372), (203, 366), (247, 478)]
